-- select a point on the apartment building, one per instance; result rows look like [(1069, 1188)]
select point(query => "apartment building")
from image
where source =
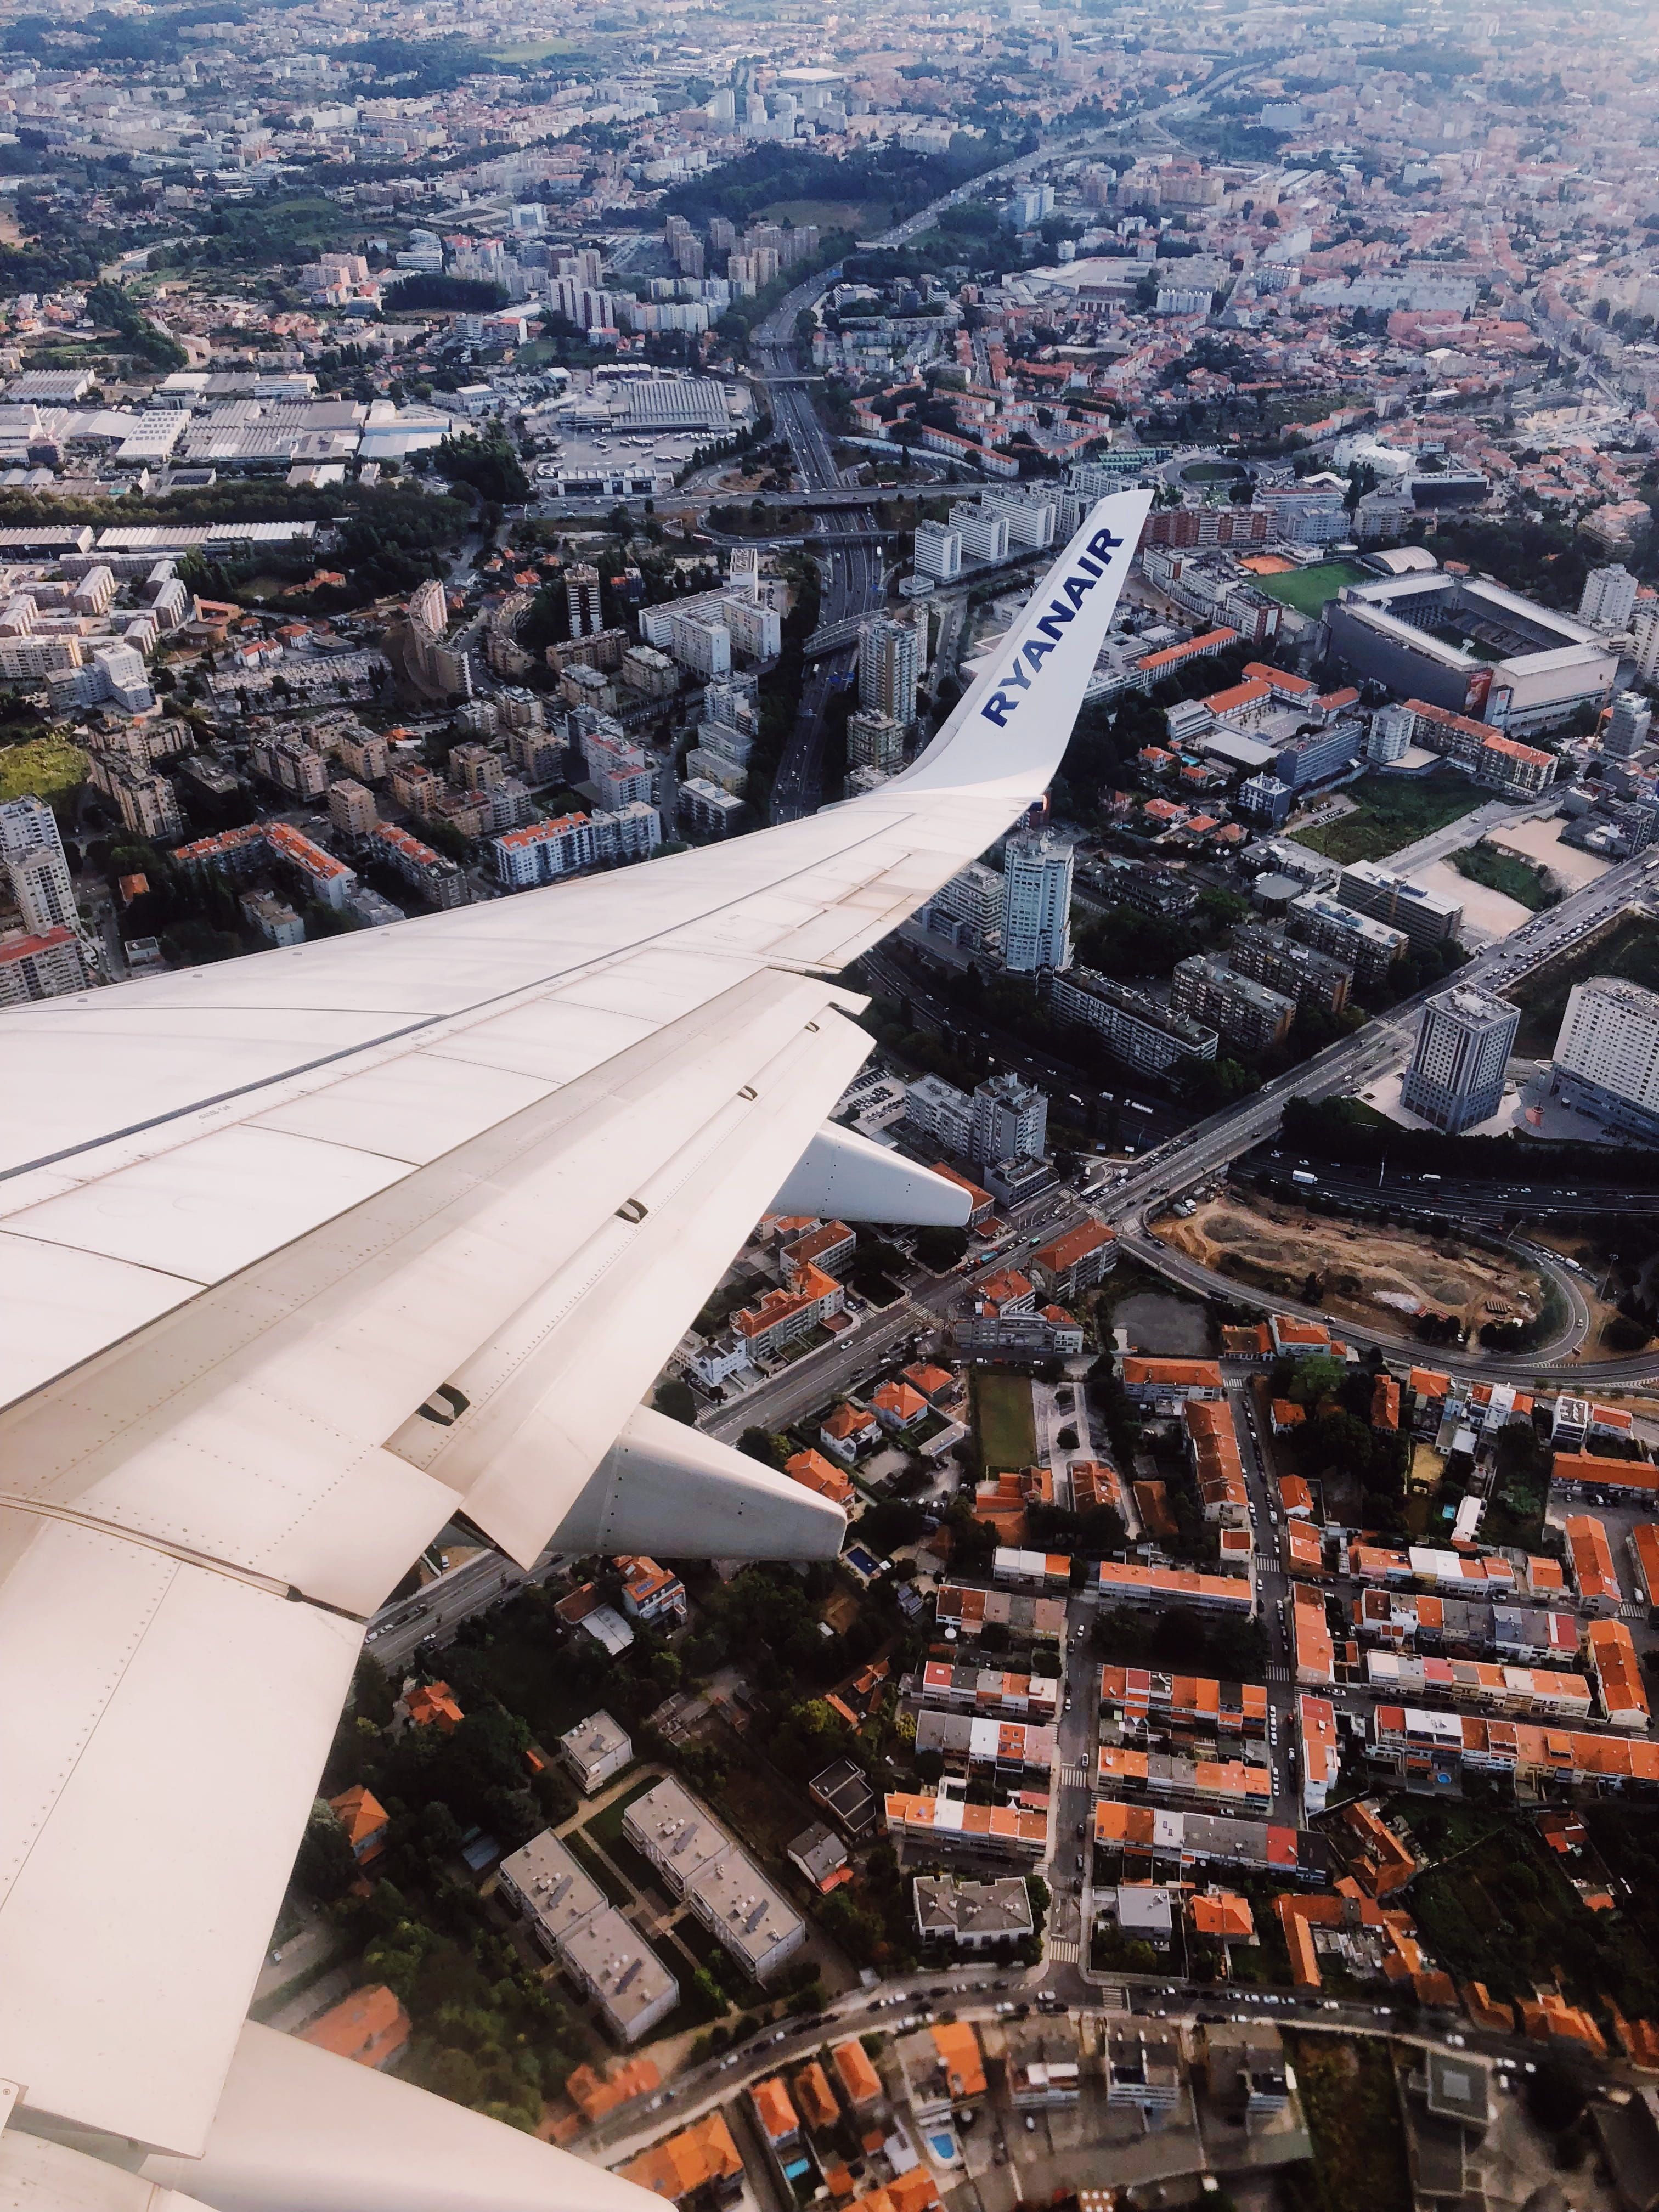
[(1425, 917), (1242, 1012), (1607, 1054), (576, 1924), (1134, 1029), (1296, 971), (1370, 947), (1455, 1075)]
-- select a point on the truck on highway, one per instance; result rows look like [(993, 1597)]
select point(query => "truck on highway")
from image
[(1301, 1175)]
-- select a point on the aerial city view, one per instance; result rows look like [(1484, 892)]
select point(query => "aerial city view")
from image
[(829, 1106)]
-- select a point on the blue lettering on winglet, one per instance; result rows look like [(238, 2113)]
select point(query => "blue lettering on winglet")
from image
[(1003, 701)]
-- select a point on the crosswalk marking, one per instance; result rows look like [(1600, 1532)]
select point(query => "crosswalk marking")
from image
[(1077, 1777), (1267, 1563), (1112, 1996), (1063, 1951), (1279, 1673)]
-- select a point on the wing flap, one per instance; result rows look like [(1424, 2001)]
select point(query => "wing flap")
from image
[(542, 1401)]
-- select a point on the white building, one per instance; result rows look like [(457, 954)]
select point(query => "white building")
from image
[(1628, 724), (1390, 735), (1036, 904), (707, 808), (938, 551), (575, 1925), (581, 599), (1607, 1056), (33, 854), (984, 534), (1644, 628), (594, 1750), (1456, 1077), (888, 667), (1011, 1121), (1608, 597)]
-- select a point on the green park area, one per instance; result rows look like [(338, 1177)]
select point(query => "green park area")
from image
[(1507, 872), (47, 767), (1310, 591), (1630, 950), (1003, 1422), (1390, 811)]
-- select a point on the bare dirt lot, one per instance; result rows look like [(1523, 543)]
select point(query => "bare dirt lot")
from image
[(1384, 1277)]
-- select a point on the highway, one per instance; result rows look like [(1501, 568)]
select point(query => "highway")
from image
[(848, 550)]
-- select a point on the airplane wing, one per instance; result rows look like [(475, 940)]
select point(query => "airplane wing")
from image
[(301, 1255)]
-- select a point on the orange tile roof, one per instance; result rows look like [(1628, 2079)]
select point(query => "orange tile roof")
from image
[(1618, 1671), (899, 1400), (815, 2098), (362, 1814), (626, 2078), (1173, 1374), (959, 2058), (369, 2025), (701, 2154), (814, 1472), (848, 1421), (1076, 1244), (860, 2080), (1591, 1554), (1223, 1916), (1487, 2011), (1212, 641), (773, 2109), (1287, 1414), (931, 1381), (433, 1702)]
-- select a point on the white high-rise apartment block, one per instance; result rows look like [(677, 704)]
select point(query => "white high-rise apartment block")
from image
[(1036, 904), (1644, 628), (33, 854), (984, 533), (1011, 1121), (1455, 1079), (938, 551), (1607, 1056), (889, 665), (1390, 734), (581, 599), (1627, 726), (1608, 597), (874, 740)]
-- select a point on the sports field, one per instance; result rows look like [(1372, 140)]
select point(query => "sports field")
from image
[(1310, 591), (1006, 1426)]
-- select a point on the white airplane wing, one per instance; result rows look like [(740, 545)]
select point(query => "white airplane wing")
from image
[(304, 1255)]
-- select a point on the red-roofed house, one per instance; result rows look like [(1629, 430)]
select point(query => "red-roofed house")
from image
[(847, 1429)]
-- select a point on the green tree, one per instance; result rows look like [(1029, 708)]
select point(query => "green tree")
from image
[(676, 1399)]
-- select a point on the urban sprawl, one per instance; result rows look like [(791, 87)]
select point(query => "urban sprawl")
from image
[(446, 453)]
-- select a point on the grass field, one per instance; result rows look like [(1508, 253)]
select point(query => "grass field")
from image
[(42, 769), (1006, 1423), (607, 1824), (1390, 811), (1310, 590), (1353, 2118), (864, 218), (536, 49), (1504, 872), (1630, 950)]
